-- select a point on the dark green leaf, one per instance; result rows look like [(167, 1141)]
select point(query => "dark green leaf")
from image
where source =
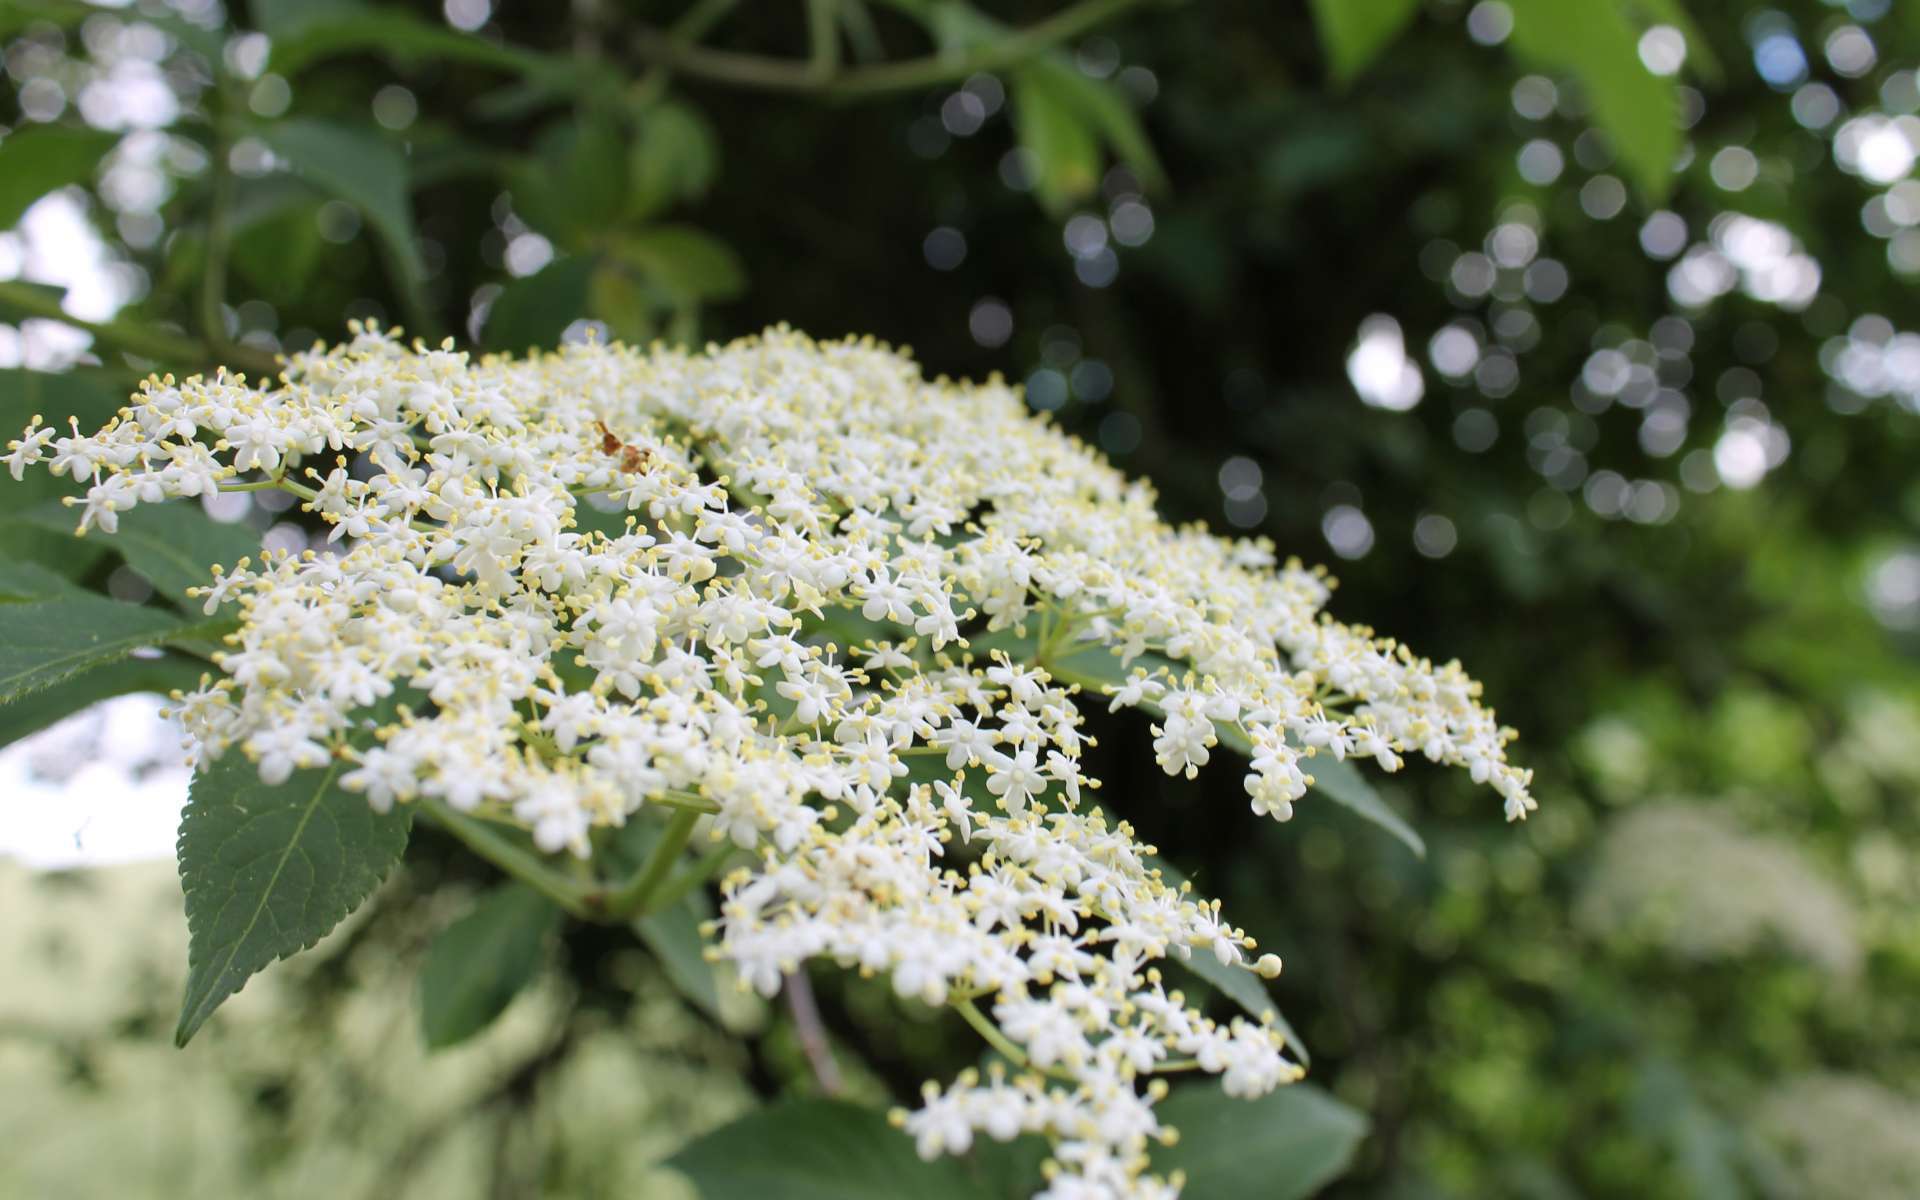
[(1103, 108), (282, 19), (160, 675), (674, 159), (358, 166), (174, 545), (45, 641), (482, 961), (1052, 129), (37, 159), (400, 36), (278, 251), (575, 186), (1355, 31), (1342, 783), (817, 1150), (674, 937), (532, 313), (268, 871), (1284, 1146), (689, 265), (1636, 109), (1242, 987), (28, 580)]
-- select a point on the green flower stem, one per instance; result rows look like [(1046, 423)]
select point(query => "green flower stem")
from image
[(702, 870), (634, 898), (572, 895), (686, 801), (988, 1030)]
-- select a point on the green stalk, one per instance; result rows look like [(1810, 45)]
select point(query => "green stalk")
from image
[(515, 859), (632, 898), (798, 75)]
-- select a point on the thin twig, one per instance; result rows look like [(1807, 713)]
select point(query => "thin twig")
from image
[(812, 1034), (144, 341), (802, 75)]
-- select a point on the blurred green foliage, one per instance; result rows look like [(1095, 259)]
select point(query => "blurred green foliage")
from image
[(1174, 222)]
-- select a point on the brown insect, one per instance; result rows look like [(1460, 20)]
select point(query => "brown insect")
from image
[(632, 458)]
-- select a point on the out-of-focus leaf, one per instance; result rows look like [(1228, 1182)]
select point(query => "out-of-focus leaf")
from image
[(164, 674), (689, 265), (817, 1150), (174, 546), (1053, 130), (629, 307), (1104, 109), (1286, 1145), (26, 580), (482, 961), (357, 166), (389, 31), (37, 159), (43, 642), (575, 186), (1706, 64), (673, 935), (16, 15), (532, 313), (1636, 109), (268, 871), (277, 252), (674, 158), (282, 19), (1354, 32)]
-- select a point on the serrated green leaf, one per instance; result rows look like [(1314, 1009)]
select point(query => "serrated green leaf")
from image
[(482, 961), (1600, 46), (1354, 32), (45, 641), (268, 871), (358, 166), (817, 1150), (1284, 1146), (173, 546), (532, 313), (27, 580), (37, 159), (161, 675)]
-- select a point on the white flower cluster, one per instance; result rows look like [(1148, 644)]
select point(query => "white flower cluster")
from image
[(848, 612), (1693, 881)]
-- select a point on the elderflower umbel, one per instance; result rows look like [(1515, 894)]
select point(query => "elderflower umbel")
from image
[(849, 612)]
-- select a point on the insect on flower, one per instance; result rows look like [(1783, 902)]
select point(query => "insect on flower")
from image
[(633, 459)]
